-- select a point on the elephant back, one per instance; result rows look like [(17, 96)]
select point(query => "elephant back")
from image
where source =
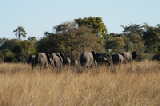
[(88, 58), (42, 58), (117, 58)]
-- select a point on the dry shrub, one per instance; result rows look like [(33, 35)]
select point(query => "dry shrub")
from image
[(20, 86)]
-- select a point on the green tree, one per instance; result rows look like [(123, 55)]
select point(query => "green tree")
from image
[(2, 40), (48, 44), (7, 56), (33, 39), (134, 28), (95, 23), (20, 32), (76, 41), (127, 42), (152, 38), (115, 43), (8, 44), (23, 49), (70, 39), (136, 42)]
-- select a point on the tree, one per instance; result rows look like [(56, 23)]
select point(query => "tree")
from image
[(2, 40), (48, 44), (115, 43), (33, 39), (95, 23), (127, 42), (76, 41), (134, 28), (7, 55), (136, 42), (23, 49), (8, 44), (152, 38), (70, 39), (20, 32)]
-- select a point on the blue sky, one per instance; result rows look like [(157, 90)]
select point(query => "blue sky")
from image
[(37, 16)]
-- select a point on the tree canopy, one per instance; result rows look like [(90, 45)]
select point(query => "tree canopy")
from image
[(95, 23), (20, 32)]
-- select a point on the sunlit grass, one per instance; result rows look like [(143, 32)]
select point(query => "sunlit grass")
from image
[(136, 86)]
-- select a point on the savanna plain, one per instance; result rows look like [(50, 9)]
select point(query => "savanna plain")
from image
[(138, 85)]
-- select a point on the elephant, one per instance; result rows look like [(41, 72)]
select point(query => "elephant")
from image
[(61, 56), (74, 62), (118, 58), (123, 57), (103, 58), (128, 56), (66, 61), (88, 59), (40, 59), (56, 60)]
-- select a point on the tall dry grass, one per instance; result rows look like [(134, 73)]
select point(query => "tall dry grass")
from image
[(136, 86)]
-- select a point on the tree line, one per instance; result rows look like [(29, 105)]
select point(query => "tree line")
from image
[(87, 34)]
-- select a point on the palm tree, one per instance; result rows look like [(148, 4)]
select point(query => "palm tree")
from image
[(20, 32)]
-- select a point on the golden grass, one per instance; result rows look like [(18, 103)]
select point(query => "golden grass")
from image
[(136, 86)]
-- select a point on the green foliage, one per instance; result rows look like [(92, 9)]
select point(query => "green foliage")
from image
[(33, 39), (137, 43), (115, 43), (70, 40), (134, 28), (20, 32), (127, 45), (48, 44), (95, 23), (79, 40), (152, 38), (125, 42), (2, 40), (8, 44), (7, 55), (24, 49)]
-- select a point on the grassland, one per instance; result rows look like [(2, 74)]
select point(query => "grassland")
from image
[(136, 86)]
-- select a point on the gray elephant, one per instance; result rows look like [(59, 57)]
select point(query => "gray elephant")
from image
[(123, 57), (103, 58), (61, 56), (128, 56), (88, 59), (66, 61), (56, 59), (40, 59), (74, 62), (118, 58)]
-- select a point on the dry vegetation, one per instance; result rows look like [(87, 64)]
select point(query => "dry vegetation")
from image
[(136, 86)]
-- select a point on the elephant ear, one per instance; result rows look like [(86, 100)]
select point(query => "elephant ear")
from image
[(62, 55), (94, 55), (134, 55), (48, 56), (58, 54), (113, 55)]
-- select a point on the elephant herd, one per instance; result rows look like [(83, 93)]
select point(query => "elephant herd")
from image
[(55, 60), (87, 59)]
